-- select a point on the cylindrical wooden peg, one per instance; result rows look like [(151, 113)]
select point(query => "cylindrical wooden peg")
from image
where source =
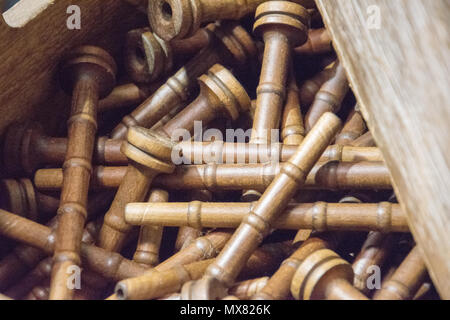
[(149, 154), (147, 251), (406, 280), (257, 223), (230, 44), (329, 97), (324, 275), (89, 73)]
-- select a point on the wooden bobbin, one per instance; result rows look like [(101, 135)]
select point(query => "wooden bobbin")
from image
[(310, 87), (353, 128), (147, 250), (319, 41), (318, 216), (187, 235), (126, 95), (282, 25), (149, 154), (220, 94), (109, 264), (230, 44), (257, 223), (89, 74), (324, 275), (330, 96), (406, 280), (374, 252), (148, 57)]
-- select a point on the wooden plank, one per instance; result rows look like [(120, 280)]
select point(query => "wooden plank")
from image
[(31, 50), (400, 74)]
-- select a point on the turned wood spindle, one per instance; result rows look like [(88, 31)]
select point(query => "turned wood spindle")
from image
[(43, 270), (220, 94), (149, 154), (159, 283), (318, 216), (330, 96), (310, 87), (323, 275), (319, 41), (353, 128), (186, 235), (34, 150), (148, 57), (292, 128), (365, 140), (19, 196), (257, 223), (214, 177), (89, 73), (125, 95), (374, 252), (108, 264), (406, 280), (244, 290), (178, 19), (230, 44), (278, 286), (282, 25), (24, 258), (147, 250)]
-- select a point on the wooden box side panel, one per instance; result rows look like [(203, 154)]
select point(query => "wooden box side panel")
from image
[(29, 55), (400, 73)]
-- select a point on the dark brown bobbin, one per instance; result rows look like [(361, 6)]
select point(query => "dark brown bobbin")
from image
[(159, 283), (330, 96), (374, 252), (108, 264), (149, 154), (147, 250), (187, 235), (19, 196), (230, 44), (257, 223), (319, 41), (365, 140), (139, 60), (292, 127), (244, 290), (278, 286), (148, 57), (323, 275), (24, 258), (220, 94), (310, 87), (43, 270), (178, 19), (353, 128), (126, 95), (26, 148), (283, 25), (406, 280), (89, 74), (319, 216), (331, 175)]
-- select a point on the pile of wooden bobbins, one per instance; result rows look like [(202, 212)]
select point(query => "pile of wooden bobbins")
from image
[(319, 220)]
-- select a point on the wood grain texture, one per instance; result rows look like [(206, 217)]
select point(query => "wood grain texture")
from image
[(400, 75), (30, 53)]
